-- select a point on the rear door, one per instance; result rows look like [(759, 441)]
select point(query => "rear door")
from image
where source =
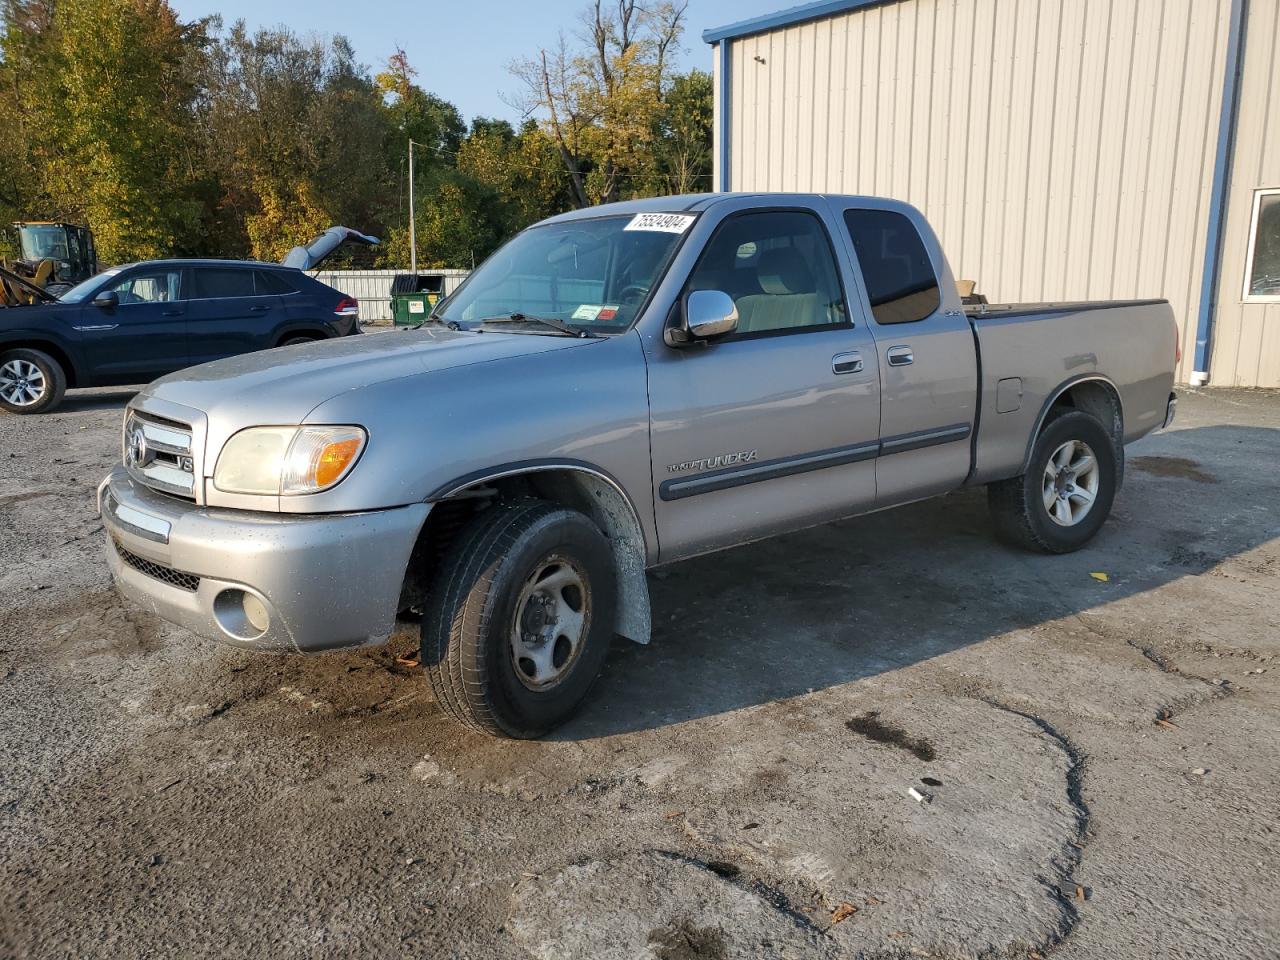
[(926, 352), (774, 427), (144, 335), (231, 312)]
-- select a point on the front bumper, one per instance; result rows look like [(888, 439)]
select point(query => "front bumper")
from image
[(312, 581)]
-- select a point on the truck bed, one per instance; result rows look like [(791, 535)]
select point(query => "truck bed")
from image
[(1125, 345)]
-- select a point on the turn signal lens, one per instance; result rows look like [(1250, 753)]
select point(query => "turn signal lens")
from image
[(320, 457)]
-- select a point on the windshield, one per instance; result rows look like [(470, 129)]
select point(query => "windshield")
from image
[(594, 274), (48, 242), (82, 290)]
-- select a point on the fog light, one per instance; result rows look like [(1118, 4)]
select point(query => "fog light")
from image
[(240, 614)]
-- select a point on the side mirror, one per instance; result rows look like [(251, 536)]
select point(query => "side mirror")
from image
[(705, 315), (107, 300)]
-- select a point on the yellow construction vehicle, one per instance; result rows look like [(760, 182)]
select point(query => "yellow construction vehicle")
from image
[(54, 256)]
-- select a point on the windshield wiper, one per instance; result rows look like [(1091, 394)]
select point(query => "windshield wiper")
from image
[(549, 322)]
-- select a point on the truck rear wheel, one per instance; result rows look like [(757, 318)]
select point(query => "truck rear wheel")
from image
[(520, 619), (1065, 496), (31, 381)]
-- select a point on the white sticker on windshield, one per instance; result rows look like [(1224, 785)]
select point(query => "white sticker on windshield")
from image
[(588, 311), (662, 222)]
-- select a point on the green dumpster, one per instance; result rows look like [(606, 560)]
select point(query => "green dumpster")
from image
[(413, 298)]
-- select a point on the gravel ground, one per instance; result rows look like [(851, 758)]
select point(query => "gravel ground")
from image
[(1101, 759)]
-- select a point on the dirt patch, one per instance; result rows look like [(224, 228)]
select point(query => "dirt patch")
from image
[(870, 725), (1178, 468), (684, 941)]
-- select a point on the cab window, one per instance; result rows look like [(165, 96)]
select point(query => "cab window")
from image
[(779, 269), (901, 283)]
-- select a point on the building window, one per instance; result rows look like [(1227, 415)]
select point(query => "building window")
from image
[(1262, 265)]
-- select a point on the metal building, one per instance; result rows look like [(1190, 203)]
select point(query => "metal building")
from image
[(1064, 149)]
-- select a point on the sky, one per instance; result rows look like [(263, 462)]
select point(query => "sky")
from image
[(461, 49)]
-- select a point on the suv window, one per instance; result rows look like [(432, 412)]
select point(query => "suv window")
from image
[(901, 284), (270, 282), (147, 286), (227, 282), (779, 269)]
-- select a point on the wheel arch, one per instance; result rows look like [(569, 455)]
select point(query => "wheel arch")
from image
[(45, 345), (1091, 393), (312, 331), (579, 486)]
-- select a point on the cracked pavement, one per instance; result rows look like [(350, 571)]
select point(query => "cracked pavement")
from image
[(1099, 762)]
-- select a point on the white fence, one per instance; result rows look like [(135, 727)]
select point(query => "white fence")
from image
[(372, 288)]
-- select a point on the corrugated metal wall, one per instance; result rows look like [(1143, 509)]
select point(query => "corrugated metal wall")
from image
[(1246, 336), (372, 288), (1063, 149)]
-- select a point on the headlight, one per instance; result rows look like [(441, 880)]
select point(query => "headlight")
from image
[(287, 461)]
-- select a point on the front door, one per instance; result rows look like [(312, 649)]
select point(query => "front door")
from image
[(775, 426), (928, 362), (231, 313), (144, 335)]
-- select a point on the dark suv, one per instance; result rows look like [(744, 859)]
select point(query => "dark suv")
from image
[(134, 323)]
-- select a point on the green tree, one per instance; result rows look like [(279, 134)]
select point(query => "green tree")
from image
[(100, 92)]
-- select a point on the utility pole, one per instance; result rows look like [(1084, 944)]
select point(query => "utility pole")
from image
[(413, 224)]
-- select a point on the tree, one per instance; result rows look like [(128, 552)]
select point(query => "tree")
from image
[(683, 136), (601, 102), (100, 94)]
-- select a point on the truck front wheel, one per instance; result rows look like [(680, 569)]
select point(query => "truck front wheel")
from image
[(520, 619), (1065, 496)]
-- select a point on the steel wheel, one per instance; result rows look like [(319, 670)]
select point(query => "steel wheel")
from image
[(22, 383), (1070, 483), (552, 617)]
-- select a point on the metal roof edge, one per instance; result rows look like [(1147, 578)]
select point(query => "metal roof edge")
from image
[(786, 18)]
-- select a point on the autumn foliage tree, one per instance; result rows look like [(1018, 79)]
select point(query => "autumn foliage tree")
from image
[(182, 138)]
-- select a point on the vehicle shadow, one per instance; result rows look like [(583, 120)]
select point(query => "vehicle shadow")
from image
[(103, 398), (862, 597)]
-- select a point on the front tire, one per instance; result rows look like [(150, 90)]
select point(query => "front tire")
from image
[(520, 619), (1065, 496), (31, 381)]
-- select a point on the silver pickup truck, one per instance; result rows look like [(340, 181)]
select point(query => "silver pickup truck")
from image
[(614, 389)]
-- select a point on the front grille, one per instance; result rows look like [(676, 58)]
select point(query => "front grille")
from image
[(158, 571), (158, 453)]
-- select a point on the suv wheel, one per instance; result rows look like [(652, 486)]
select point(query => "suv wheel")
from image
[(1065, 496), (31, 381), (520, 620)]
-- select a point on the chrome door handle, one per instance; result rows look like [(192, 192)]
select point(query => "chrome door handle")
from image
[(899, 356), (847, 362)]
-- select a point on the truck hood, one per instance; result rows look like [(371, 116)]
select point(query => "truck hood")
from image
[(283, 385)]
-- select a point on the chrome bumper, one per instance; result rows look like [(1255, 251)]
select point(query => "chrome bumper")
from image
[(293, 582)]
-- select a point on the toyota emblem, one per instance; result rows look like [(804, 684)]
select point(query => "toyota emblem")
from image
[(136, 450)]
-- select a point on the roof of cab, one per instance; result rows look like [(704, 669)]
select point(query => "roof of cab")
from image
[(696, 202)]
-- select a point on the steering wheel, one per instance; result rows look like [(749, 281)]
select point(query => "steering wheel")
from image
[(633, 293)]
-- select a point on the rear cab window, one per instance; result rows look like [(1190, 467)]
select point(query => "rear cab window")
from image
[(901, 283)]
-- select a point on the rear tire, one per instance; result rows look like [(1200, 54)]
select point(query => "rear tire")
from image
[(1065, 496), (520, 619), (31, 381), (293, 341)]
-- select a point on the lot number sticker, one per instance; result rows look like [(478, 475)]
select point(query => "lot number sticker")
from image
[(662, 222)]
